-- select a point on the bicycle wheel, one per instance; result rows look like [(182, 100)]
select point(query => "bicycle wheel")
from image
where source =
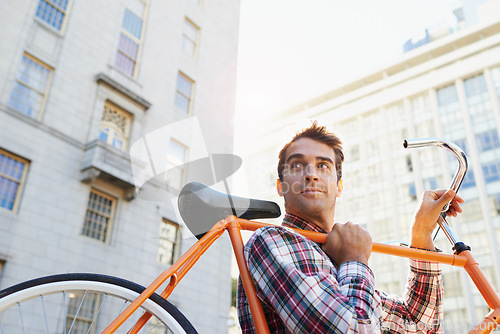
[(82, 303)]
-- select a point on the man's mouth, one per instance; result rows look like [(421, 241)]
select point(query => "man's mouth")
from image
[(312, 191)]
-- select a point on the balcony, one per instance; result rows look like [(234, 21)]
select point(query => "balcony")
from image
[(104, 162)]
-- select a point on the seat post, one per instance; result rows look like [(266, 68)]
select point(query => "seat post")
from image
[(259, 319)]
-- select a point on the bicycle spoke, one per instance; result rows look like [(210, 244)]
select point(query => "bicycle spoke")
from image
[(97, 313), (21, 316), (123, 307), (45, 315), (64, 310), (78, 311)]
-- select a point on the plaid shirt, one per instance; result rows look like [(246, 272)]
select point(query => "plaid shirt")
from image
[(302, 291)]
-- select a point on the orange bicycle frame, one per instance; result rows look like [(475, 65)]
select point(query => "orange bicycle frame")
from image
[(234, 226)]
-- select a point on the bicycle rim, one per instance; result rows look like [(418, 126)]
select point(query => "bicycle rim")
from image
[(82, 303)]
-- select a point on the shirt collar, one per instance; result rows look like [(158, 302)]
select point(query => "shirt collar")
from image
[(293, 221)]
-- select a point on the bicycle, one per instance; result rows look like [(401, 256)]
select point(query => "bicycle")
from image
[(51, 297)]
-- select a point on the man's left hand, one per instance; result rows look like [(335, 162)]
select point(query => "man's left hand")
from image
[(427, 215)]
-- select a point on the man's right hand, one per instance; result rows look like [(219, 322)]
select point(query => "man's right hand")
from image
[(348, 242)]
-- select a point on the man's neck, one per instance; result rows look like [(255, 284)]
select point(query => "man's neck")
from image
[(325, 225)]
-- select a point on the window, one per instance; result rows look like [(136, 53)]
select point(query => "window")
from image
[(129, 44), (13, 171), (168, 248), (412, 191), (491, 172), (475, 85), (449, 110), (495, 76), (53, 12), (176, 157), (100, 212), (488, 140), (115, 126), (478, 100), (82, 308), (353, 153), (409, 164), (430, 183), (31, 87), (2, 263), (447, 95), (495, 204), (190, 37), (183, 93)]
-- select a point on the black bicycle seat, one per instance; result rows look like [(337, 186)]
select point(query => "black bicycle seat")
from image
[(201, 207)]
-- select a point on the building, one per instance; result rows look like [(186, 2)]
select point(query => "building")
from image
[(447, 88), (82, 83)]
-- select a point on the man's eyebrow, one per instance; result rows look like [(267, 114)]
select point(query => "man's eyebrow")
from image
[(326, 159), (294, 156), (301, 156)]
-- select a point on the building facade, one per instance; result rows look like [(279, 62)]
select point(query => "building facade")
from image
[(449, 88), (85, 82)]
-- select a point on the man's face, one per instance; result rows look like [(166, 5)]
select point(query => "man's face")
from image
[(309, 184)]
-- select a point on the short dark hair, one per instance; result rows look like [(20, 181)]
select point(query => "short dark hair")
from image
[(321, 134)]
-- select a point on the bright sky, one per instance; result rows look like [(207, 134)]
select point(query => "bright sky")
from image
[(293, 50)]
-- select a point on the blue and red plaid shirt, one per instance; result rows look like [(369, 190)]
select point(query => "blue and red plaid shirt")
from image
[(302, 291)]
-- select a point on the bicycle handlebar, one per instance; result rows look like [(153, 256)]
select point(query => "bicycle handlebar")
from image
[(453, 148), (455, 183)]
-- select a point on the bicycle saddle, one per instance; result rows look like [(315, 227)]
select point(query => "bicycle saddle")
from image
[(201, 207)]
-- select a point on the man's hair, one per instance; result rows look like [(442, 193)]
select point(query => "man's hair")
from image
[(320, 134)]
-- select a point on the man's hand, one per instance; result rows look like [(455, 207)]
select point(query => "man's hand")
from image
[(348, 242), (427, 215)]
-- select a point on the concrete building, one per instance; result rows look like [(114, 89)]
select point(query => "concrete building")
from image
[(82, 83), (447, 88)]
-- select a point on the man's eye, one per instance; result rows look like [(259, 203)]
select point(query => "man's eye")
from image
[(324, 165), (295, 165)]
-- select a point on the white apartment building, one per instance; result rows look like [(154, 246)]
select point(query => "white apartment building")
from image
[(448, 88), (81, 83)]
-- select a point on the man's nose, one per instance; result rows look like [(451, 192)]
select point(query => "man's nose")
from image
[(311, 173)]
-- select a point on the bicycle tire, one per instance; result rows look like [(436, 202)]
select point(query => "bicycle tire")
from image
[(52, 304)]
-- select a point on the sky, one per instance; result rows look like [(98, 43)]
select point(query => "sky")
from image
[(293, 50)]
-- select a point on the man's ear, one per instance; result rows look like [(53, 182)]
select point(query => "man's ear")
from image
[(340, 187), (279, 187)]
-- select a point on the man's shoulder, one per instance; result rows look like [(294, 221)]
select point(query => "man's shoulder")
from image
[(274, 235), (274, 231)]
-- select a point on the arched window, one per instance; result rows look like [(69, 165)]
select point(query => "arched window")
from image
[(114, 128)]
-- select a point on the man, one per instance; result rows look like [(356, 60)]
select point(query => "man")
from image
[(306, 287)]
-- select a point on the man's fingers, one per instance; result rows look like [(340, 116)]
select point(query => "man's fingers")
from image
[(456, 206), (446, 197)]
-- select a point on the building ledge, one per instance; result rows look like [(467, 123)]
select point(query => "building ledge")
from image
[(101, 77), (106, 163)]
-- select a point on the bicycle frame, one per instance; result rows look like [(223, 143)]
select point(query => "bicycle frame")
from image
[(462, 258), (234, 226)]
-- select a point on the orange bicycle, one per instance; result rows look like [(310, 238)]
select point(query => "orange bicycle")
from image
[(54, 304)]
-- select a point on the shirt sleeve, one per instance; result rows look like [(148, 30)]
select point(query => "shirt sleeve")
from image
[(421, 310), (294, 277)]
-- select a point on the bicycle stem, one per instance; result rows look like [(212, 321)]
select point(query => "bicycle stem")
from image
[(455, 183)]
